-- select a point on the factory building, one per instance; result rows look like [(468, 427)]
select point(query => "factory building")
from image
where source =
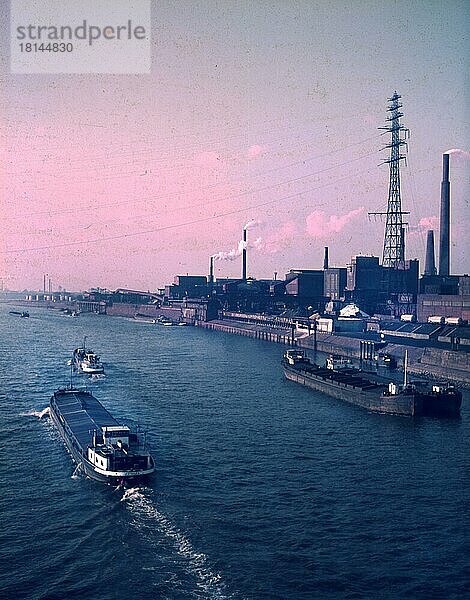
[(364, 282), (334, 282), (450, 306), (305, 283), (185, 286), (367, 283)]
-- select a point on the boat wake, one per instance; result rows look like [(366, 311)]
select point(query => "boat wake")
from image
[(77, 471), (40, 414), (197, 563)]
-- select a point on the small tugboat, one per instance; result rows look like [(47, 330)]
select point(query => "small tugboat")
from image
[(101, 447), (86, 361), (372, 392)]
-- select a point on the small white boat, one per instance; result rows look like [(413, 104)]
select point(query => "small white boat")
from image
[(87, 361)]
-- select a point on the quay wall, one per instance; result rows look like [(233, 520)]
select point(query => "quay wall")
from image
[(444, 364), (248, 330)]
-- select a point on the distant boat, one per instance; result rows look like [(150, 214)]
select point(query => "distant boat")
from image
[(87, 361), (23, 314), (164, 321), (144, 318), (102, 448)]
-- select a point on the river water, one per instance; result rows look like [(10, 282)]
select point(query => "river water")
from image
[(263, 490)]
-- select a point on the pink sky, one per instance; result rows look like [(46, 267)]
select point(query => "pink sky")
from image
[(118, 181)]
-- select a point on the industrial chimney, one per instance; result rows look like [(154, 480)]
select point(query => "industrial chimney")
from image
[(430, 265), (211, 271), (244, 256), (444, 233), (325, 259)]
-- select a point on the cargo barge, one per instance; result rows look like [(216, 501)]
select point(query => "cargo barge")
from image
[(364, 390), (101, 447)]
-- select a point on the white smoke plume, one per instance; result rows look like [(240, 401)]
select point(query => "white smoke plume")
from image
[(231, 255), (458, 152), (236, 252), (271, 243), (251, 224)]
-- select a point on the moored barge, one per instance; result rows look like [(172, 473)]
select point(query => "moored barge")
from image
[(354, 386), (102, 448)]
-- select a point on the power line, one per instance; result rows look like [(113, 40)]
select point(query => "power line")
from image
[(171, 195), (176, 225)]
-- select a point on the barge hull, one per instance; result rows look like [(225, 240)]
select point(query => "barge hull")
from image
[(405, 405), (353, 388)]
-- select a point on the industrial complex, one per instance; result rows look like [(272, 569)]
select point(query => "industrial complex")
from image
[(369, 303)]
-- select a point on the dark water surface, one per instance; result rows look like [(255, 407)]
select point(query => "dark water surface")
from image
[(264, 489)]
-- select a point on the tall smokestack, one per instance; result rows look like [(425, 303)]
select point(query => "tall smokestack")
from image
[(211, 271), (325, 259), (244, 256), (444, 228), (430, 265)]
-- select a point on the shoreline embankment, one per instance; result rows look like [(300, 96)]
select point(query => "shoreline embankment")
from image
[(448, 365), (431, 362)]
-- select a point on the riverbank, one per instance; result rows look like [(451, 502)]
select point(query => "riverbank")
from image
[(450, 365), (432, 362)]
